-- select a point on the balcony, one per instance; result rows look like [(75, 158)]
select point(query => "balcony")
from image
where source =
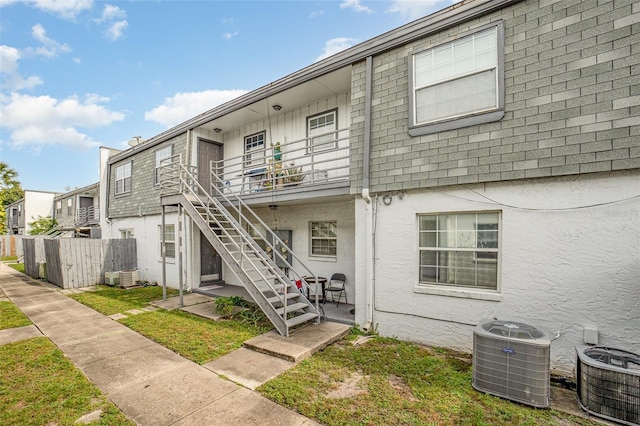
[(88, 215), (288, 170)]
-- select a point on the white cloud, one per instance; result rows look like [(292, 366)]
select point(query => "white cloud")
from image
[(11, 78), (116, 30), (50, 48), (355, 5), (414, 9), (183, 106), (229, 35), (336, 45), (42, 120), (111, 13), (316, 14), (68, 9)]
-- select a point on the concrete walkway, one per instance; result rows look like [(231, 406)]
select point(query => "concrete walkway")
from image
[(149, 383)]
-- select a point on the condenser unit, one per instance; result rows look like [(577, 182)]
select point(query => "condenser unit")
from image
[(128, 278), (112, 278), (608, 383), (511, 360)]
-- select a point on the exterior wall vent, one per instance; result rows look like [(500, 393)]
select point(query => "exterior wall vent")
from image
[(608, 383), (511, 360)]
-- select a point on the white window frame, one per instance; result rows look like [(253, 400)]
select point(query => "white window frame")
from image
[(69, 206), (169, 243), (255, 144), (486, 251), (126, 233), (315, 226), (322, 137), (123, 177), (469, 118), (161, 154), (58, 208)]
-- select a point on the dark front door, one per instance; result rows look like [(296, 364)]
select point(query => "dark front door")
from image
[(207, 151), (210, 260)]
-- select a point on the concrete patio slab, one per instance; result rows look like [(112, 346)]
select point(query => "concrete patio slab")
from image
[(301, 343), (16, 334), (249, 368), (187, 300), (208, 310), (117, 317)]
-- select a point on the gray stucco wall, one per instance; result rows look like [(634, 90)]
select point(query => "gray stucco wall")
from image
[(572, 102), (144, 198)]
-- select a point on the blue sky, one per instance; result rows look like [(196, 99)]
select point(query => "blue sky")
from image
[(79, 74)]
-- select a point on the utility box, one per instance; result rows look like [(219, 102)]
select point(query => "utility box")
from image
[(128, 278), (285, 235)]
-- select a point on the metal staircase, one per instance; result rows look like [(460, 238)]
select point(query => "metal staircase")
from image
[(240, 237)]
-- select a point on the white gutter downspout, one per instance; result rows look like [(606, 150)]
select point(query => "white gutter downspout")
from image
[(369, 280)]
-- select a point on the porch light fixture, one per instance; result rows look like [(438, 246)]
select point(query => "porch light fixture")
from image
[(277, 107), (217, 130), (273, 206)]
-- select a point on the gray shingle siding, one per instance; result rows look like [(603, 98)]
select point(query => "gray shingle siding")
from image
[(144, 198), (572, 102)]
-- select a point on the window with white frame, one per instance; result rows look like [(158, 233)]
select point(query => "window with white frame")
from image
[(459, 80), (161, 154), (321, 131), (323, 238), (126, 233), (123, 178), (169, 241), (69, 206), (58, 208), (459, 249), (254, 149)]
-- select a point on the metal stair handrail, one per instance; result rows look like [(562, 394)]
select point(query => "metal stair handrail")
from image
[(241, 205), (176, 178)]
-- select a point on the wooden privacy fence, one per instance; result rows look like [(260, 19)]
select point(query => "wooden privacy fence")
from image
[(80, 262), (11, 245), (33, 254)]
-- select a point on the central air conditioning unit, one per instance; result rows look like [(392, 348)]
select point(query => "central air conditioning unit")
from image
[(128, 278), (112, 278), (608, 383), (511, 360)]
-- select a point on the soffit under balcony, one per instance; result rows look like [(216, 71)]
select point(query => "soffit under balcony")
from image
[(326, 86)]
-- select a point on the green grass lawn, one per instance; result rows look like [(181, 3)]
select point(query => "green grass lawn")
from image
[(112, 300), (5, 258), (11, 316), (17, 266), (389, 382), (195, 338), (40, 386), (381, 382)]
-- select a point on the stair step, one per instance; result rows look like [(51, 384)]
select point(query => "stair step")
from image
[(293, 307), (276, 299), (292, 322)]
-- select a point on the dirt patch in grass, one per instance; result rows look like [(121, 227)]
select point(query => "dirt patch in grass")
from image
[(349, 388)]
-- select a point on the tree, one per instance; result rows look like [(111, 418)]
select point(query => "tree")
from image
[(42, 225), (10, 192)]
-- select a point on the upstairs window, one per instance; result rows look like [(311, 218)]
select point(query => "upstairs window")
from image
[(459, 249), (460, 80), (123, 178), (58, 208), (162, 154), (321, 131), (254, 149), (70, 207)]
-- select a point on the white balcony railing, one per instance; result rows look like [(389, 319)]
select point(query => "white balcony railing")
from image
[(319, 160)]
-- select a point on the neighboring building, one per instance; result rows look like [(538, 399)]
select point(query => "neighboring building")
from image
[(79, 209), (480, 162), (26, 210)]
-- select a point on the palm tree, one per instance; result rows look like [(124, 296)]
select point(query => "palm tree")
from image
[(7, 176)]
